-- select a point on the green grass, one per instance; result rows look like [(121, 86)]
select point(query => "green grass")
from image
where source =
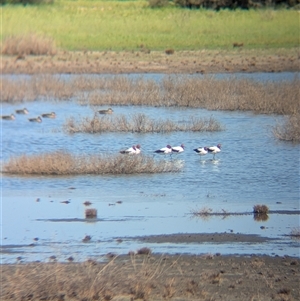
[(125, 25)]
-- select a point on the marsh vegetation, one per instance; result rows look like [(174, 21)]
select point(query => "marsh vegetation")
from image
[(232, 94), (64, 163), (138, 123), (173, 91)]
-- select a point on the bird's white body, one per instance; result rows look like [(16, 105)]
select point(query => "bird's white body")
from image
[(214, 149), (164, 150), (178, 149), (202, 151), (134, 150)]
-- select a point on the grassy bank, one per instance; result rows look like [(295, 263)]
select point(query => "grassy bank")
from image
[(116, 25)]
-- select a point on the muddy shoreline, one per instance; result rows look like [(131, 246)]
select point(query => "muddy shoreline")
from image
[(180, 62), (156, 277), (217, 238)]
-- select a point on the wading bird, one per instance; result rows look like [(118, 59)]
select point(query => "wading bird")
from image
[(164, 150), (178, 149), (214, 150), (202, 151), (134, 150)]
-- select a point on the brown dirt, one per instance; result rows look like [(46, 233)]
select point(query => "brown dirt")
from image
[(204, 61), (156, 277)]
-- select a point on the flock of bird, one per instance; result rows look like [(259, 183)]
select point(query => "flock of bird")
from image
[(45, 115), (169, 150), (135, 149), (25, 112)]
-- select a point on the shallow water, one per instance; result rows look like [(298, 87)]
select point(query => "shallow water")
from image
[(253, 168)]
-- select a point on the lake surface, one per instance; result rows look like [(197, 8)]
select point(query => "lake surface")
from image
[(252, 168)]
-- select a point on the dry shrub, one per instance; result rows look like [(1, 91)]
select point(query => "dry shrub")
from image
[(64, 163), (295, 233), (144, 251), (260, 213), (138, 123), (91, 213), (38, 86), (289, 130), (169, 51), (173, 91), (30, 44), (260, 209)]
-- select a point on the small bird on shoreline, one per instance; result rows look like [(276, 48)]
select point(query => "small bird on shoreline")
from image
[(214, 150), (202, 151), (8, 117), (134, 150), (107, 111), (49, 115), (36, 119), (22, 111), (164, 150), (178, 149)]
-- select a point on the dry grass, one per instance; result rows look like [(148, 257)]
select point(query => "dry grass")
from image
[(289, 130), (91, 213), (138, 123), (64, 163), (30, 44), (172, 91), (295, 233), (260, 213), (260, 209), (153, 277)]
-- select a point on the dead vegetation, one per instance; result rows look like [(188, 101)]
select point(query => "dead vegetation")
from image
[(260, 213), (295, 233), (173, 91), (30, 44), (138, 123), (91, 213), (153, 277), (280, 98), (289, 130), (64, 163)]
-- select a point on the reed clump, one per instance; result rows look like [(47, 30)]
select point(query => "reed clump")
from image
[(30, 44), (288, 130), (173, 91), (260, 213), (64, 163), (91, 213), (138, 123), (260, 209)]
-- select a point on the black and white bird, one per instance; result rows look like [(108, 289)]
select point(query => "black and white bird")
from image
[(178, 149), (134, 150), (164, 150), (202, 151), (214, 150)]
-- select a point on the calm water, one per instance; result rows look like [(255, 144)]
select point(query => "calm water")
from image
[(253, 168)]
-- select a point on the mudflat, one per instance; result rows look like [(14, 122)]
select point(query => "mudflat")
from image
[(146, 61), (156, 277)]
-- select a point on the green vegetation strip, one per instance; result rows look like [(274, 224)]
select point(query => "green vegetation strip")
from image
[(126, 25)]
